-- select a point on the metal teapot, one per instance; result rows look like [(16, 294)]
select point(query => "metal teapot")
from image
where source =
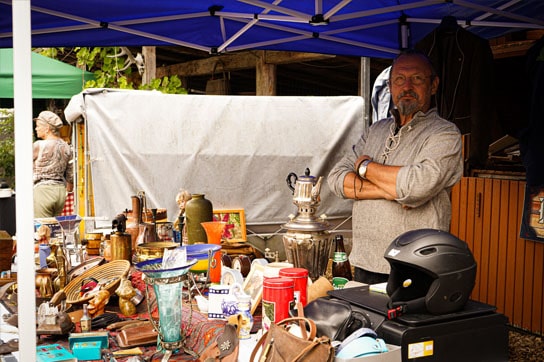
[(307, 239), (306, 189)]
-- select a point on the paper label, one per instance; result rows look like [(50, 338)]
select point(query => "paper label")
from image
[(421, 349)]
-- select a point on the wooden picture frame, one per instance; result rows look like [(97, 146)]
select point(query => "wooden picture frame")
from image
[(253, 285), (235, 230)]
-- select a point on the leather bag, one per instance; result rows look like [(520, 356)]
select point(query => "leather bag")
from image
[(218, 86), (279, 345), (335, 318)]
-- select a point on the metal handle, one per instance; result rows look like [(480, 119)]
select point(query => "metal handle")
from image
[(290, 183)]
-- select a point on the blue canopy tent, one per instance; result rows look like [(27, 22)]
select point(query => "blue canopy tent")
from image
[(370, 28)]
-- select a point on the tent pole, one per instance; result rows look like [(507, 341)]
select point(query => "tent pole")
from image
[(22, 99), (404, 33), (364, 89)]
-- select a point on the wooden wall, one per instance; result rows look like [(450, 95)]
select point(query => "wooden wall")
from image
[(487, 215)]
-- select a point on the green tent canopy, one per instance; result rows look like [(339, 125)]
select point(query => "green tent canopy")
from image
[(51, 79)]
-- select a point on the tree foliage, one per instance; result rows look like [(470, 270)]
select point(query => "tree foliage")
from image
[(7, 146), (112, 69)]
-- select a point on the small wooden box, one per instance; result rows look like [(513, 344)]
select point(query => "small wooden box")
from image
[(6, 250)]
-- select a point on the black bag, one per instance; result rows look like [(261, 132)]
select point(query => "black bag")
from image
[(335, 318)]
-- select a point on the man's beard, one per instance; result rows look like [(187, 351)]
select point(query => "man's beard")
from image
[(408, 107)]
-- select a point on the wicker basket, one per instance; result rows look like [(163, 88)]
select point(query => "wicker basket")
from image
[(109, 273)]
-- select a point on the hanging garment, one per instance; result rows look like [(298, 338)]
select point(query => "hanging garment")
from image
[(381, 99), (464, 63)]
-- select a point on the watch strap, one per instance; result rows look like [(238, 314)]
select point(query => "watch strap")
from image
[(364, 165)]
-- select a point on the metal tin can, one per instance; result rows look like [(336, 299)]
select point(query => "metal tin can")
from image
[(121, 246), (300, 279), (278, 298)]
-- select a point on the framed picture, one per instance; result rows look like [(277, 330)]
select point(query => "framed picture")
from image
[(235, 230), (253, 285)]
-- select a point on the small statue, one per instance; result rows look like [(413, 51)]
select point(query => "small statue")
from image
[(44, 284), (125, 291), (62, 268), (52, 258), (97, 305), (43, 234), (181, 199)]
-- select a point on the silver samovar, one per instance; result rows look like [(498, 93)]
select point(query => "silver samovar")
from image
[(307, 240)]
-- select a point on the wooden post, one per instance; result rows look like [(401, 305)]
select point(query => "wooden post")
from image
[(150, 64), (265, 76)]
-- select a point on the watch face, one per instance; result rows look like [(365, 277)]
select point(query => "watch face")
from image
[(237, 264), (362, 170), (242, 263), (231, 276), (228, 279)]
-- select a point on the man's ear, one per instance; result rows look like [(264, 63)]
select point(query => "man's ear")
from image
[(434, 85)]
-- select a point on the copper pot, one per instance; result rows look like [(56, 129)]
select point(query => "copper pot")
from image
[(153, 250)]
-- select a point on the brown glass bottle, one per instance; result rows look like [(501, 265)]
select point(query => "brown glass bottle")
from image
[(341, 268)]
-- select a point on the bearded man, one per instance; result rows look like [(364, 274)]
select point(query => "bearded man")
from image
[(401, 171)]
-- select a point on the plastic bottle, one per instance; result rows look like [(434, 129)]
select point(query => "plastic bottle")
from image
[(341, 268), (85, 321)]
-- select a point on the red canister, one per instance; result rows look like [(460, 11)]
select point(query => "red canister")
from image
[(300, 278), (278, 297)]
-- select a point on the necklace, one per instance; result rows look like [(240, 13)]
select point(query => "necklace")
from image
[(392, 142)]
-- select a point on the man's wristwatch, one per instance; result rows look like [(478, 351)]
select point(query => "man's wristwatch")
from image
[(361, 171)]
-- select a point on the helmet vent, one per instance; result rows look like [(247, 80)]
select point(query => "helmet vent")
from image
[(428, 251), (455, 297)]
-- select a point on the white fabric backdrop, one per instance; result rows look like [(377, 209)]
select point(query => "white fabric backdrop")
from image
[(237, 150)]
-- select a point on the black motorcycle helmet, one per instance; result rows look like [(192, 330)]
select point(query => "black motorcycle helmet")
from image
[(432, 271)]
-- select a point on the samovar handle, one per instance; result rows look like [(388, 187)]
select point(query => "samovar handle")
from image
[(290, 183)]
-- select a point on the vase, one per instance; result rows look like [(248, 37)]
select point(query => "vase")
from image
[(73, 250), (167, 285), (214, 233), (197, 210)]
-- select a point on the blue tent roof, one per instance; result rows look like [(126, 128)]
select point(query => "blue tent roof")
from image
[(343, 27)]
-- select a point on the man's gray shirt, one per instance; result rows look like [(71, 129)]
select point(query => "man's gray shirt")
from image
[(429, 149)]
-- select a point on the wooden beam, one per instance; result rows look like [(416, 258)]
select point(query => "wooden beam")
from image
[(514, 46), (512, 49), (277, 57), (238, 61)]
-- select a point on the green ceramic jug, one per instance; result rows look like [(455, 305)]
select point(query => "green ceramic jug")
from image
[(198, 209)]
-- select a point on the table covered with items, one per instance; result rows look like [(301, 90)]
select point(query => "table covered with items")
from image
[(120, 297)]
